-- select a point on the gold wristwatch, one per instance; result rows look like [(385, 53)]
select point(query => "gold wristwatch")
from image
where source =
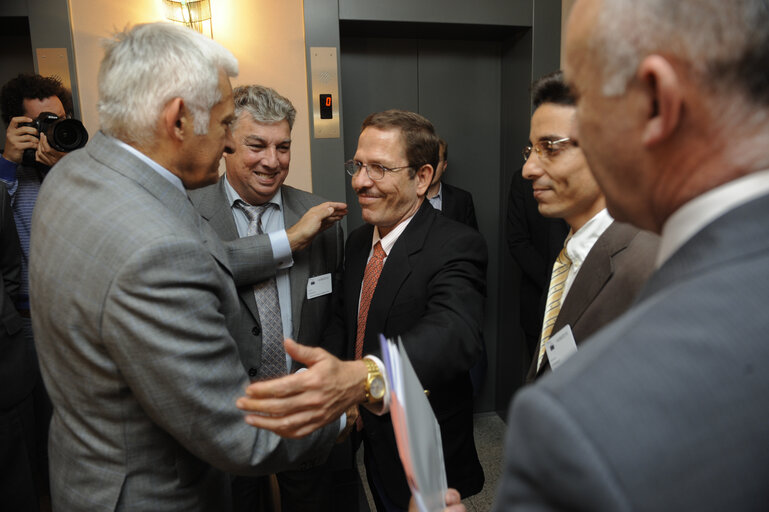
[(375, 383)]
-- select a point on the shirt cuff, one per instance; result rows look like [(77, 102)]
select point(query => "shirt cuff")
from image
[(384, 406), (8, 171), (281, 249)]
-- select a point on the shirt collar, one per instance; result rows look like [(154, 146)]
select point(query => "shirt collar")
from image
[(704, 209), (440, 191), (579, 244), (388, 241), (165, 173), (233, 196)]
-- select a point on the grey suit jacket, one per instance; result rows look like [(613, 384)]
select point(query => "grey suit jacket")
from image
[(324, 255), (134, 304), (608, 282), (667, 408)]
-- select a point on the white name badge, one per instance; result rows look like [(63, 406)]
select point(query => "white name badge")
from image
[(318, 285), (560, 347)]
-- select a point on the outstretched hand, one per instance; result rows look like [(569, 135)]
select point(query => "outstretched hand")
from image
[(295, 405), (316, 219)]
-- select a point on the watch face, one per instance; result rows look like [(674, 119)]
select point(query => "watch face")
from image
[(377, 388)]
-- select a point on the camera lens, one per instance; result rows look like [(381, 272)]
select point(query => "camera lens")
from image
[(67, 135)]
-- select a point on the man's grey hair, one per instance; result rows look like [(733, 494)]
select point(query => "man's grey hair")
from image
[(264, 104), (147, 66), (725, 43)]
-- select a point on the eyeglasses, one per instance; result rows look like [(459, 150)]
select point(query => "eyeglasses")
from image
[(547, 149), (374, 171)]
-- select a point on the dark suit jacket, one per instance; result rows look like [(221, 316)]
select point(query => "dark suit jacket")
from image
[(608, 281), (323, 256), (534, 242), (457, 204), (431, 292), (666, 408), (18, 367)]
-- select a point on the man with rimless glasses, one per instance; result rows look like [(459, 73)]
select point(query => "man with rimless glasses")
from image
[(430, 292), (603, 263), (409, 272)]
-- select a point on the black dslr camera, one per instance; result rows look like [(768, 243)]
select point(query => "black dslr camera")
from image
[(63, 135)]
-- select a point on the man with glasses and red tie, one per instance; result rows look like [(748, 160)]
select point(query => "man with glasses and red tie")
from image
[(603, 263), (409, 272)]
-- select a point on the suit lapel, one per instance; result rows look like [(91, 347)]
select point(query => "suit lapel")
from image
[(396, 270), (214, 207), (596, 270), (448, 204), (299, 272)]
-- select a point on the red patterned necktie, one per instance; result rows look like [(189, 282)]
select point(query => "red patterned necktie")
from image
[(370, 278)]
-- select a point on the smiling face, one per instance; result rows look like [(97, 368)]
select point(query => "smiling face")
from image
[(259, 165), (385, 203), (563, 185)]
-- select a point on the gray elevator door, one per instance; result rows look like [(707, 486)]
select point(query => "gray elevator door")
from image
[(455, 84)]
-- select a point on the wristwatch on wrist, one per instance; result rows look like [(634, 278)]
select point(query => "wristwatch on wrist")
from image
[(375, 383)]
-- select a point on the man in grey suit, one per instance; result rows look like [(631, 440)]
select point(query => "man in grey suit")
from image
[(134, 295), (666, 408), (603, 263), (304, 277)]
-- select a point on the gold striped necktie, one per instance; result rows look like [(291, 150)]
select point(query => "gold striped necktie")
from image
[(553, 306)]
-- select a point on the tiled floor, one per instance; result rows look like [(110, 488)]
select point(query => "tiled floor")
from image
[(489, 441)]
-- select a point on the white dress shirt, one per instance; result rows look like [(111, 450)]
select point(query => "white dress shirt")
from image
[(579, 245)]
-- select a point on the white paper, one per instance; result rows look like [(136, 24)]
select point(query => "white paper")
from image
[(416, 430)]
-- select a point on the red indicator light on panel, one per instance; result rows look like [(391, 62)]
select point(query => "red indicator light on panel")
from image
[(326, 106)]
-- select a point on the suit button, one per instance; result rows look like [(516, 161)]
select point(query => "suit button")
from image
[(252, 372), (256, 331)]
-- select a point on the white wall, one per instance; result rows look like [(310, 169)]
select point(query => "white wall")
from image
[(266, 36)]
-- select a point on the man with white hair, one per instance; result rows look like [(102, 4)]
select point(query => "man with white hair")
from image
[(134, 295), (667, 408)]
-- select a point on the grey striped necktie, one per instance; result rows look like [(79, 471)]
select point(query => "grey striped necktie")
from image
[(266, 294)]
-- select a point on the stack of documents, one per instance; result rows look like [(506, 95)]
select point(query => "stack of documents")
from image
[(416, 429)]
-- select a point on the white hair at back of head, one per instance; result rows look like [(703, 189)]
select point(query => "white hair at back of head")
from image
[(725, 43), (150, 64)]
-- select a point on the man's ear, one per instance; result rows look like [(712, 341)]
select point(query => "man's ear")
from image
[(174, 119), (424, 177), (659, 78)]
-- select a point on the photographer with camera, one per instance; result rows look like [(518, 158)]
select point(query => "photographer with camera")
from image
[(26, 158)]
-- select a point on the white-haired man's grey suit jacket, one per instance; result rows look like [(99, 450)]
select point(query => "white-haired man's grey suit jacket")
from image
[(323, 256), (134, 303), (667, 408)]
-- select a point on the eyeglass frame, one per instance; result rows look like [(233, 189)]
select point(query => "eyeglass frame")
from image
[(361, 165), (537, 148)]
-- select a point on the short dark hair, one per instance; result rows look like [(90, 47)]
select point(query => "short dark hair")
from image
[(29, 86), (552, 88), (418, 133), (445, 147)]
